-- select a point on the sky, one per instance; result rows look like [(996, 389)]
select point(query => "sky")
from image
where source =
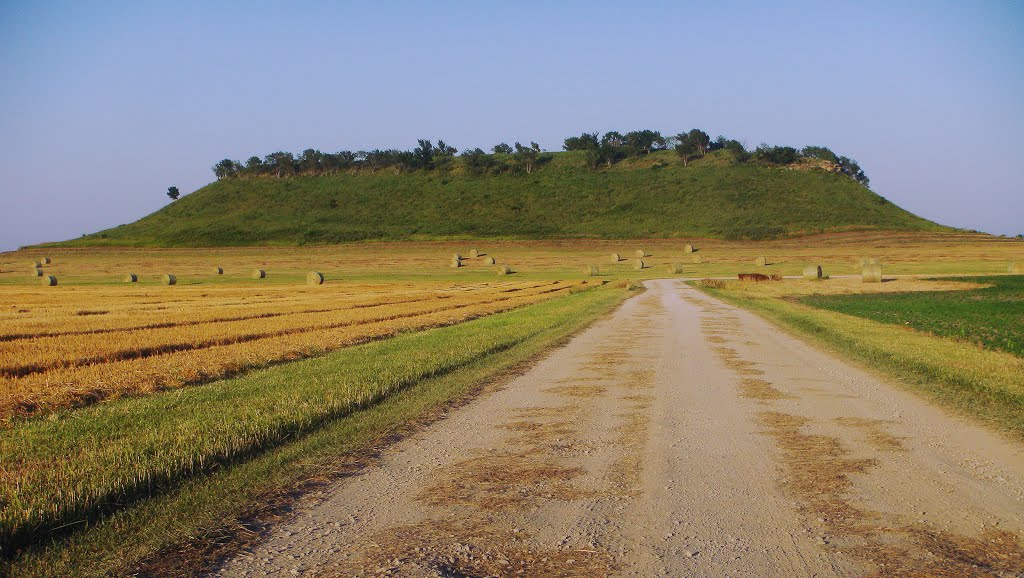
[(105, 104)]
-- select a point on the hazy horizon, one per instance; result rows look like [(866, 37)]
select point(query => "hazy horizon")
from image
[(108, 104)]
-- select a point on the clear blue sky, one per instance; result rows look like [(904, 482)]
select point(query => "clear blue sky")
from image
[(105, 104)]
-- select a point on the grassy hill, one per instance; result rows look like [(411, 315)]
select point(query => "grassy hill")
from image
[(653, 196)]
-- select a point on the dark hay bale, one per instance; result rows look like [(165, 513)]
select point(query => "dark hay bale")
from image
[(812, 272), (169, 280), (49, 281), (259, 274), (314, 278), (131, 278)]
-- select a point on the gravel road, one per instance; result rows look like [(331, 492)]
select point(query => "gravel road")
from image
[(680, 436)]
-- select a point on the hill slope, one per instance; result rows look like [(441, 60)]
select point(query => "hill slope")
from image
[(650, 197)]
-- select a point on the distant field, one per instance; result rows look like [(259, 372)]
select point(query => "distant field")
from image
[(124, 403), (412, 261), (992, 317)]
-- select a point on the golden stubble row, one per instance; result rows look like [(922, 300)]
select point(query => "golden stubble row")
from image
[(105, 309), (64, 387), (24, 356)]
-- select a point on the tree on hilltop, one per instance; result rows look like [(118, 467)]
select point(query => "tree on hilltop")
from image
[(699, 140), (584, 142), (526, 157), (684, 147), (173, 193)]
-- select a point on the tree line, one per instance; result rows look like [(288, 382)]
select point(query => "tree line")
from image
[(600, 151)]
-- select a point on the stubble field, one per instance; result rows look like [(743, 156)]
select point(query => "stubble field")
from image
[(115, 396)]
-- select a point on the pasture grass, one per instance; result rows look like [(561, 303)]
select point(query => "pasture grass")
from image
[(94, 491), (652, 196), (991, 317)]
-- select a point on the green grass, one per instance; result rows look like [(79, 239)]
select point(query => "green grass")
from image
[(127, 478), (984, 385), (992, 317), (651, 197)]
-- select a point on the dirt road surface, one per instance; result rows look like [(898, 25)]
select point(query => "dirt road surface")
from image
[(678, 437)]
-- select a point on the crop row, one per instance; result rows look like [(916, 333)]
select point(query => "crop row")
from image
[(77, 385)]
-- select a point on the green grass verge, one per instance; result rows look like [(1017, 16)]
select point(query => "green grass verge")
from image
[(978, 383), (992, 317), (650, 197), (134, 476)]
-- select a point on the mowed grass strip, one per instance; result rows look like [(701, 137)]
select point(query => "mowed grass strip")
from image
[(62, 387), (992, 317), (67, 471), (982, 384)]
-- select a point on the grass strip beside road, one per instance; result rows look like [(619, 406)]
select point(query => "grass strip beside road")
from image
[(992, 316), (978, 383), (136, 475)]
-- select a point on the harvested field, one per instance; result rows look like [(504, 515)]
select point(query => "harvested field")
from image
[(54, 359)]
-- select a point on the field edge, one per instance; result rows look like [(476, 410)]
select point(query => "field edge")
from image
[(197, 524)]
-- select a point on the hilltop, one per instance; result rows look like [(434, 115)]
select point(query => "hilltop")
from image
[(564, 195)]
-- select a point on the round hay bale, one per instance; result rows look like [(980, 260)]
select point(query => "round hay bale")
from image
[(696, 258), (314, 278), (504, 270), (760, 261), (46, 261), (488, 260), (36, 272), (169, 280), (688, 249), (871, 273), (639, 253), (473, 253), (638, 264), (131, 278), (218, 270), (37, 264), (591, 270), (812, 272), (675, 268), (1016, 268), (457, 256), (49, 281), (456, 263), (616, 257), (259, 274)]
